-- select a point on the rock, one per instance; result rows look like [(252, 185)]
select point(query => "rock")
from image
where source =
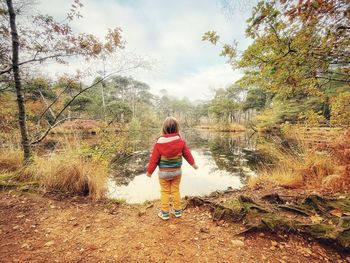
[(237, 243), (15, 227), (274, 243), (49, 244)]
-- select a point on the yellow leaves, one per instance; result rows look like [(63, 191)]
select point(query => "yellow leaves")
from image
[(228, 51), (340, 109), (313, 118), (316, 219), (211, 36)]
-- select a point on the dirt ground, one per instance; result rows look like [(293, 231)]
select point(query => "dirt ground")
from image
[(34, 228)]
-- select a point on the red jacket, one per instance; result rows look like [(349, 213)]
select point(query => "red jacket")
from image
[(169, 145)]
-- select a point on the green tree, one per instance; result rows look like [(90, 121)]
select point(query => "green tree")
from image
[(41, 39)]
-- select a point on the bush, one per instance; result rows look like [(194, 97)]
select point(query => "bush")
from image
[(340, 109), (135, 125)]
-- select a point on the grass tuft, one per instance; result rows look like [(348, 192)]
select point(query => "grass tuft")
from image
[(10, 160), (68, 172), (299, 165)]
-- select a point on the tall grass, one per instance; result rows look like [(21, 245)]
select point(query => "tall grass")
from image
[(10, 160), (69, 170), (301, 164)]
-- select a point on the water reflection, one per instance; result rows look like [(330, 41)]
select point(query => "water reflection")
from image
[(206, 179), (224, 159)]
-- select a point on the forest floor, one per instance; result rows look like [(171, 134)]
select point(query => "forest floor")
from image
[(37, 228)]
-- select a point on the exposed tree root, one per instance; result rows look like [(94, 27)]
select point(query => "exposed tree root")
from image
[(269, 214)]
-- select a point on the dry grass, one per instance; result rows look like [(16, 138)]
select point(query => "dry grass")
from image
[(80, 125), (301, 166), (66, 172), (70, 173), (279, 177), (10, 160), (340, 151)]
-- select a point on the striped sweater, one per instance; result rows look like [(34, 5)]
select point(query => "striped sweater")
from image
[(167, 153)]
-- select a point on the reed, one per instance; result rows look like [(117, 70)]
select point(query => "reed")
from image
[(300, 165)]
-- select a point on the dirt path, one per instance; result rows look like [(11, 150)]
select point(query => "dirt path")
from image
[(40, 229)]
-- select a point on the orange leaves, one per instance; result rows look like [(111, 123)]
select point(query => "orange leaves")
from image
[(114, 39), (46, 38), (336, 212)]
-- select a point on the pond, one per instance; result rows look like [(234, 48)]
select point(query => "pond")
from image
[(224, 160)]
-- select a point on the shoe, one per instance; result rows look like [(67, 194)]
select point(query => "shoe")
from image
[(177, 213), (164, 215)]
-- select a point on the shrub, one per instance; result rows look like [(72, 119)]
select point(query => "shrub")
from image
[(135, 125), (340, 109)]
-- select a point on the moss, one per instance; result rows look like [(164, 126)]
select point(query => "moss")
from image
[(228, 214), (320, 231), (274, 222), (325, 205), (344, 239), (234, 204), (341, 203), (117, 201)]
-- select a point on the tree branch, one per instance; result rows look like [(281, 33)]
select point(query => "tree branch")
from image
[(71, 101), (52, 103), (332, 79)]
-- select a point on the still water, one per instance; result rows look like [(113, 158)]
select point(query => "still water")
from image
[(224, 160)]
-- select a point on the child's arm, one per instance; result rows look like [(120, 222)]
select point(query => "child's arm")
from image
[(153, 161), (186, 153)]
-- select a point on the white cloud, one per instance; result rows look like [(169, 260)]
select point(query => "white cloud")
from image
[(200, 85), (169, 32)]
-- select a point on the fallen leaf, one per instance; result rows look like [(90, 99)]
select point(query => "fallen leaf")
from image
[(336, 212), (237, 243), (316, 218)]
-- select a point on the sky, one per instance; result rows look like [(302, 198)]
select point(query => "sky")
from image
[(168, 35)]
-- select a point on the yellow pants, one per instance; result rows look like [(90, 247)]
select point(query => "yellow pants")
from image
[(167, 188)]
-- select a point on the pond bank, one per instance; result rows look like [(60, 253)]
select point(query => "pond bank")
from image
[(49, 228)]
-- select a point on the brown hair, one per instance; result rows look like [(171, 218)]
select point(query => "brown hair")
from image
[(170, 125)]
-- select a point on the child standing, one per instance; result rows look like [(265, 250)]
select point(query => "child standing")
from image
[(167, 153)]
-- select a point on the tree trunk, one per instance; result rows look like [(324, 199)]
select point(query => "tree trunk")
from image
[(103, 100), (18, 85)]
